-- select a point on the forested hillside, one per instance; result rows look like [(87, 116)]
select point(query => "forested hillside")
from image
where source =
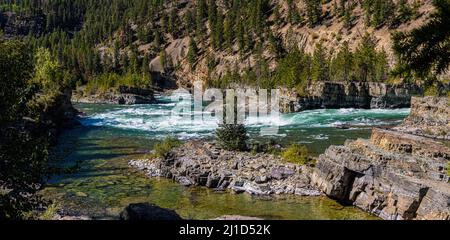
[(287, 43)]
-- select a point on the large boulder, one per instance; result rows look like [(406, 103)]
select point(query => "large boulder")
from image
[(148, 211)]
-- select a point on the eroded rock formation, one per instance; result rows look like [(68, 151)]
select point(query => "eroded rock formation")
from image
[(123, 95), (395, 175), (429, 117), (350, 95)]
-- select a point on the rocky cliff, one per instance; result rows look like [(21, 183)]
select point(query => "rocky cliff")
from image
[(429, 117), (123, 95), (14, 24), (350, 95), (395, 175)]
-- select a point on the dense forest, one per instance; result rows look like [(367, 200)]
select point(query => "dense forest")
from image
[(106, 43)]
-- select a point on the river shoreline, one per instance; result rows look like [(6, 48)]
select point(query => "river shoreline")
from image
[(113, 135), (104, 183), (392, 175)]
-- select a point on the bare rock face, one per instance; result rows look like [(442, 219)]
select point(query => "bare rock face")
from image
[(351, 95), (429, 117), (202, 164), (123, 96), (395, 175), (14, 24)]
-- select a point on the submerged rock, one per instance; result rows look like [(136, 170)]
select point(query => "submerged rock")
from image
[(147, 211)]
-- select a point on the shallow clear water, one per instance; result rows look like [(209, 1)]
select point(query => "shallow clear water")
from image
[(112, 135)]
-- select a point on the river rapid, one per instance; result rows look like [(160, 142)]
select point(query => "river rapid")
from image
[(100, 182)]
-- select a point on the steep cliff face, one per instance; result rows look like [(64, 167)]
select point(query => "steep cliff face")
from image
[(429, 117), (14, 24), (394, 175), (123, 95), (351, 95)]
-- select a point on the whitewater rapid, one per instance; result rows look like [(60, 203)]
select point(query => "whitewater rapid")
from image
[(159, 119)]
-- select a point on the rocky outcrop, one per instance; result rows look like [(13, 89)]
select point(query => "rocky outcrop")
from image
[(429, 117), (395, 175), (147, 211), (123, 96), (202, 164), (350, 95), (14, 24)]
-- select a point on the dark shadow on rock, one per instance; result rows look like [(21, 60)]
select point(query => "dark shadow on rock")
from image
[(148, 211)]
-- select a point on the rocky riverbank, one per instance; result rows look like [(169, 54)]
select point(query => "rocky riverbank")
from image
[(395, 174), (122, 95), (366, 95), (399, 173), (202, 164), (430, 117)]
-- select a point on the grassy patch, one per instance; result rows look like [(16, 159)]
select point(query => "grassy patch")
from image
[(448, 168), (296, 153), (50, 212), (163, 148), (431, 91)]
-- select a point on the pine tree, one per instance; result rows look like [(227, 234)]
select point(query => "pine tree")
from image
[(218, 33), (200, 15), (240, 37), (293, 14), (228, 31), (212, 19), (173, 22), (365, 59), (313, 11), (342, 64), (163, 59), (381, 66), (320, 63), (405, 12), (188, 22), (192, 52), (425, 50)]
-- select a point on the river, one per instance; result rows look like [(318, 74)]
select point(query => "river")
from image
[(101, 184)]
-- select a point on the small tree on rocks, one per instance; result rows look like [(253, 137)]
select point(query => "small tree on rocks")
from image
[(232, 137)]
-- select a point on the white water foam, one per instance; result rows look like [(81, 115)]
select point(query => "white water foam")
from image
[(157, 118)]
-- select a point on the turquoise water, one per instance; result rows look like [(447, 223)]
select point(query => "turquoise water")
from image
[(102, 183)]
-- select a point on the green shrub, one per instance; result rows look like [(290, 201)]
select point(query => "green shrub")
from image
[(431, 91), (448, 168), (106, 81), (296, 153), (164, 148), (50, 212), (232, 137)]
